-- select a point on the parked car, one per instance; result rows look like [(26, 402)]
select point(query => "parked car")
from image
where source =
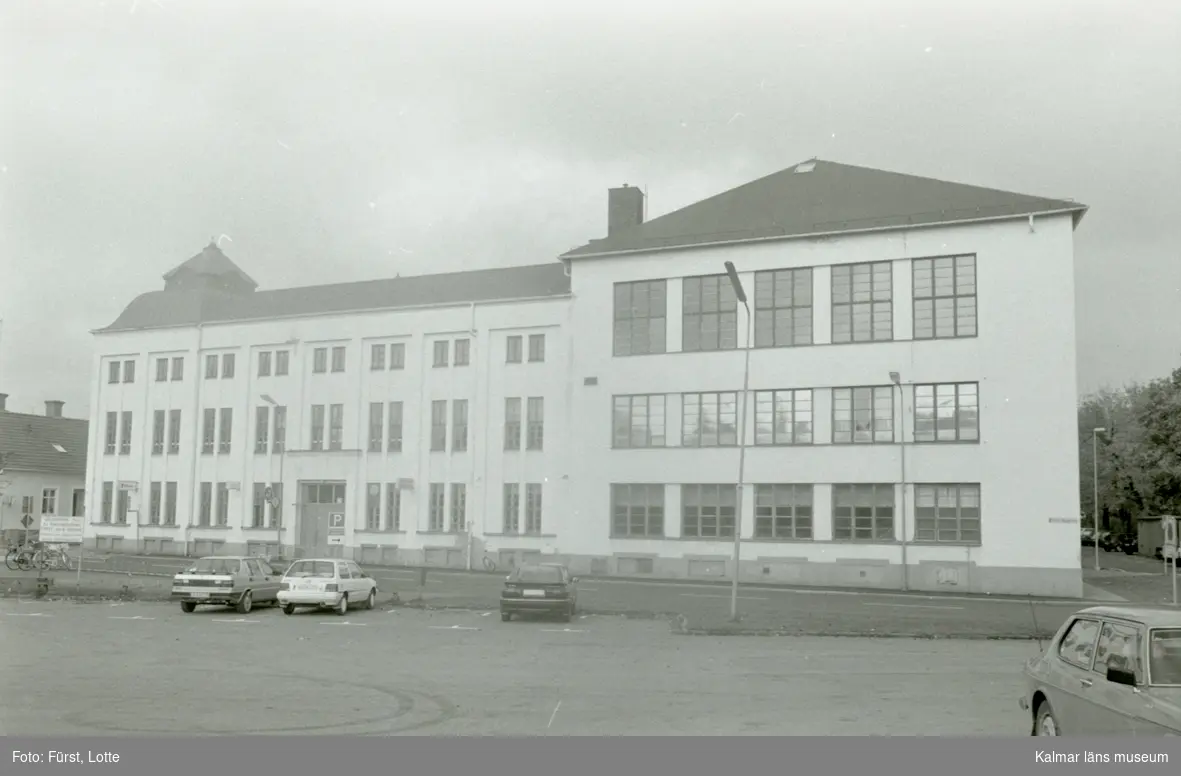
[(326, 583), (1109, 670), (230, 580), (545, 588), (1087, 536)]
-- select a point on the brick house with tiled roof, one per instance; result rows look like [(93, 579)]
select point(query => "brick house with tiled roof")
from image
[(42, 467)]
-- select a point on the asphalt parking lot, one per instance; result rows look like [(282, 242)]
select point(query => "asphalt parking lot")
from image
[(141, 668)]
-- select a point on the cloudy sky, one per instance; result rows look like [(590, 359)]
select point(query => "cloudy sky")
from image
[(334, 145)]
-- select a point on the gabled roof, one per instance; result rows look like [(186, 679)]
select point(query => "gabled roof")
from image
[(159, 309), (819, 198), (211, 261), (27, 444)]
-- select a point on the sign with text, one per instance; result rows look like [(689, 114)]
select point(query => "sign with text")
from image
[(336, 528), (61, 529), (1169, 529)]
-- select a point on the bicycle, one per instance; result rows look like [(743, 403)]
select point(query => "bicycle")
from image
[(52, 558), (20, 558)]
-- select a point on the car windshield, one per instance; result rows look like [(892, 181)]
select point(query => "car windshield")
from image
[(1165, 656), (312, 568), (216, 566), (547, 575)]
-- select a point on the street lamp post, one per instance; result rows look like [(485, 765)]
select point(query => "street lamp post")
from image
[(277, 498), (1095, 432), (740, 487), (896, 378)]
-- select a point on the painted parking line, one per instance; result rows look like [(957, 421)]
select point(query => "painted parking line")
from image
[(913, 606), (237, 620), (27, 614), (562, 630), (450, 627), (346, 622), (588, 589), (711, 595), (136, 617)]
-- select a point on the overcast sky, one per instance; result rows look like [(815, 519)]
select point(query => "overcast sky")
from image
[(336, 145)]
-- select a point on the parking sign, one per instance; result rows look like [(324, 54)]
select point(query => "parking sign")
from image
[(336, 528)]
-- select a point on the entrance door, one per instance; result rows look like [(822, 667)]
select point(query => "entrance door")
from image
[(79, 503), (318, 502)]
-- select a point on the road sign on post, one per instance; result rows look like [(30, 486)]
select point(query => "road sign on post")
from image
[(336, 528), (26, 521), (1169, 551)]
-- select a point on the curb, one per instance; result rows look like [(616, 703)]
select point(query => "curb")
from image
[(786, 633)]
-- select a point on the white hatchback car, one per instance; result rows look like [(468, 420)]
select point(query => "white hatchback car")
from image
[(326, 583)]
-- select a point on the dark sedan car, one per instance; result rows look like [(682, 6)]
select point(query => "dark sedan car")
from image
[(546, 588)]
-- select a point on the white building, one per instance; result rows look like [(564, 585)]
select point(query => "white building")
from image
[(912, 398), (42, 469)]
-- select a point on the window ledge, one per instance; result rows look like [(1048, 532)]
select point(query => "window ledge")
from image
[(631, 537), (210, 527), (928, 543), (380, 532), (263, 528), (520, 535)]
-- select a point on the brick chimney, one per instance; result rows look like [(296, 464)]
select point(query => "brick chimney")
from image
[(3, 402), (625, 209), (53, 409)]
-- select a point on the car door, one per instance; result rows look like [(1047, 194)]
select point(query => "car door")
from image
[(242, 577), (268, 582), (1113, 709), (1070, 681), (345, 578), (363, 581)]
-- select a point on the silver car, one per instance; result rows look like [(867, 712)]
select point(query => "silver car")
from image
[(326, 583), (226, 580), (1109, 670)]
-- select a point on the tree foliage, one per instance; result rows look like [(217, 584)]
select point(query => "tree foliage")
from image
[(1139, 453)]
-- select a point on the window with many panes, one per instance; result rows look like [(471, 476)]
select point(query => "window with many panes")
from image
[(947, 412), (125, 433), (947, 513), (512, 349), (512, 508), (536, 348), (376, 425), (438, 425), (373, 506), (639, 421), (178, 368), (533, 508), (442, 348), (463, 352), (709, 314), (783, 308), (708, 511), (709, 419), (640, 323), (862, 302), (393, 507), (944, 297), (208, 430), (258, 505), (783, 417), (223, 503), (317, 441), (637, 510), (459, 425), (282, 363), (170, 503), (122, 506), (377, 357), (398, 355), (512, 423), (205, 509), (783, 511), (159, 426), (394, 428), (458, 507), (320, 361), (227, 366), (277, 506), (863, 513), (173, 431), (338, 356), (264, 363), (129, 371), (226, 431), (863, 415), (535, 414), (49, 501), (336, 427), (113, 372), (262, 425), (437, 512), (112, 433), (280, 441), (161, 370), (108, 501)]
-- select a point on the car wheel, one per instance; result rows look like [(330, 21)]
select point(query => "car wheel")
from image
[(289, 609), (246, 603), (505, 616), (188, 607), (1047, 723), (371, 601), (343, 607)]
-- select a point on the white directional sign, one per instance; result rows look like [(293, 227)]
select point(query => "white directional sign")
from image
[(336, 528), (1169, 528)]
